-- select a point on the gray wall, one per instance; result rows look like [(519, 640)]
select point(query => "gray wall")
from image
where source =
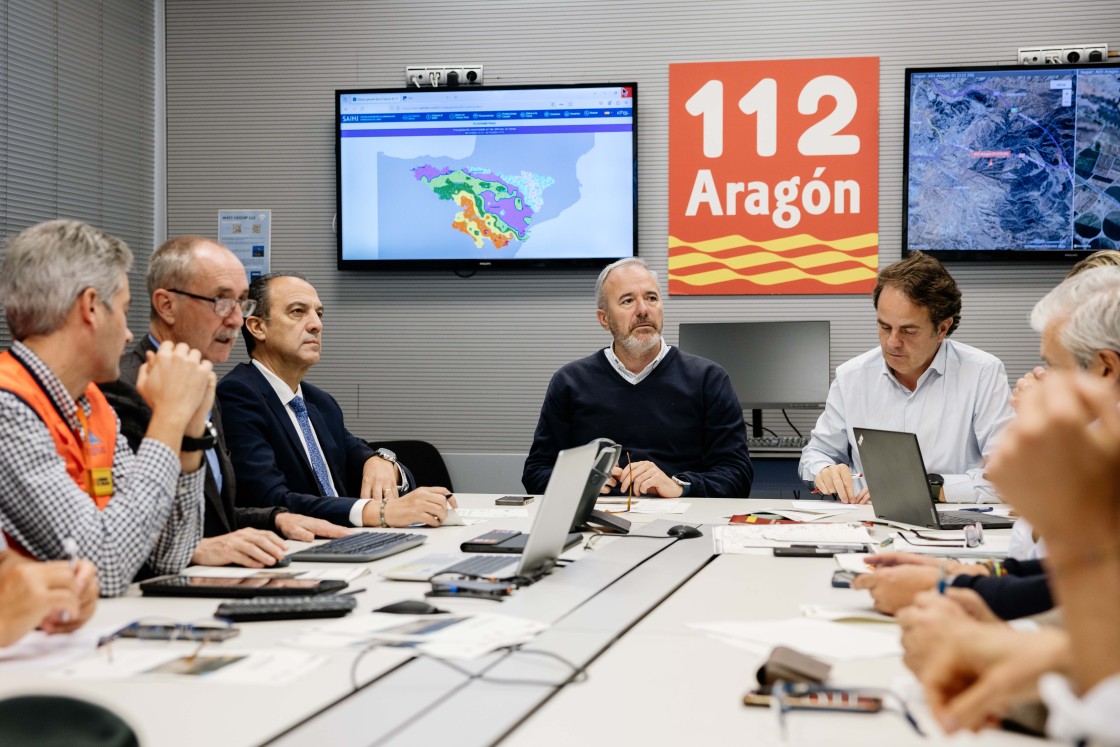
[(464, 362)]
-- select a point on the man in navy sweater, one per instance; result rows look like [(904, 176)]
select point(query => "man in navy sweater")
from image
[(676, 415)]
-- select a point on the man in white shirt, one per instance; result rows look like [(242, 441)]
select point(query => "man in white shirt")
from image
[(953, 396)]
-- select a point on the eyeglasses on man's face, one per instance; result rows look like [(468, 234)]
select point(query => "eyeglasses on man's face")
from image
[(222, 306)]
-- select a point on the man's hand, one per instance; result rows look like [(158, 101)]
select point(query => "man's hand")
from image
[(306, 528), (980, 671), (179, 387), (932, 619), (379, 478), (1049, 456), (420, 506), (30, 591), (175, 382), (252, 548), (837, 479), (85, 579), (1025, 382), (894, 588), (952, 567), (648, 479)]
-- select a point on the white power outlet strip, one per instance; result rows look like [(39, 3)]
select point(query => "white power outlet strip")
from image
[(443, 75), (1063, 55)]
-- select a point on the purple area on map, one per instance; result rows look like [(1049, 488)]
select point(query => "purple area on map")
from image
[(506, 208), (429, 172)]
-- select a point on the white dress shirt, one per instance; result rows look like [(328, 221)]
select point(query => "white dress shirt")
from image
[(626, 373), (1091, 719), (286, 395), (960, 404)]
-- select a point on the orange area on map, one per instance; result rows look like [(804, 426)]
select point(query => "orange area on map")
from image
[(477, 226)]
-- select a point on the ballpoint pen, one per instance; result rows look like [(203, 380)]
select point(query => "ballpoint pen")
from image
[(979, 509), (70, 550)]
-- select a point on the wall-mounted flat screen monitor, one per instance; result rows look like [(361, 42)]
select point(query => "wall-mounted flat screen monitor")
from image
[(1018, 163), (772, 365), (486, 177)]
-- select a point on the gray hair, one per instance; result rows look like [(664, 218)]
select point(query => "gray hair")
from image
[(1090, 304), (600, 297), (260, 292), (171, 265), (47, 266)]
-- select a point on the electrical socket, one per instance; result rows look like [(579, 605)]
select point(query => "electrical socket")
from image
[(1063, 55), (443, 75)]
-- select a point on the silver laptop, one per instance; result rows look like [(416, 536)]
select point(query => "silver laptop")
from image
[(896, 476), (546, 538)]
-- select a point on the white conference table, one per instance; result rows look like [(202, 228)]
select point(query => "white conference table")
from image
[(623, 609)]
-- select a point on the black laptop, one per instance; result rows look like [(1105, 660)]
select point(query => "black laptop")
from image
[(896, 476)]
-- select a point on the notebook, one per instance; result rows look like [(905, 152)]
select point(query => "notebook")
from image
[(896, 476), (546, 538)]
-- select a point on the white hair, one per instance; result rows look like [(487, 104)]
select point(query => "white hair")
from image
[(1089, 304), (46, 267), (600, 297)]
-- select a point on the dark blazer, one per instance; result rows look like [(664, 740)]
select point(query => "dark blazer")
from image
[(222, 515), (272, 467)]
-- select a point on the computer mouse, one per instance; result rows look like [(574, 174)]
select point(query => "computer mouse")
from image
[(283, 562), (684, 531), (411, 607)]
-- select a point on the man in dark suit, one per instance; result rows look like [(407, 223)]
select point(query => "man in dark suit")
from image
[(288, 441), (197, 290)]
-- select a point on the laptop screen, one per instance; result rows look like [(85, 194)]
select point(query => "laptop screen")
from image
[(558, 508), (896, 476)]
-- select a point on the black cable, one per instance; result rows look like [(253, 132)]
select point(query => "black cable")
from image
[(772, 433), (791, 425), (579, 673)]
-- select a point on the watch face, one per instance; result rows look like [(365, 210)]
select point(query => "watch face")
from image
[(386, 454)]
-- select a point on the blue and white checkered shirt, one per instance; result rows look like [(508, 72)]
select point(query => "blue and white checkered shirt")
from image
[(155, 515)]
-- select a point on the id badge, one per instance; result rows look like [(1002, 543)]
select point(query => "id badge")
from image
[(101, 481)]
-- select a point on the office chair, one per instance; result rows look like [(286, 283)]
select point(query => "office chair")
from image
[(422, 458)]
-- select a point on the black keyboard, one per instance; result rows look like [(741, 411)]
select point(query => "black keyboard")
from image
[(953, 519), (286, 608), (481, 565), (776, 442), (360, 548)]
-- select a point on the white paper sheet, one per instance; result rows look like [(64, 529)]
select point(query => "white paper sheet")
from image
[(820, 638), (493, 513), (823, 505), (443, 636), (854, 562), (158, 659), (39, 651), (865, 613), (661, 507), (995, 545), (734, 538)]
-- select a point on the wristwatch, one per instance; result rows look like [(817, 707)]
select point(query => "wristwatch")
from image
[(936, 482), (385, 454), (686, 486), (208, 440)]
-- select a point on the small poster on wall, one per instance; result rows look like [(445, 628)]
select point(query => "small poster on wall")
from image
[(248, 234), (774, 176)]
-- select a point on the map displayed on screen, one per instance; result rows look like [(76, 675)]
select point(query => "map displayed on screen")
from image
[(492, 174), (1013, 160)]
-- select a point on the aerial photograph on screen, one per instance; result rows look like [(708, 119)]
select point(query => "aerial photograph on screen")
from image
[(992, 160), (1097, 198)]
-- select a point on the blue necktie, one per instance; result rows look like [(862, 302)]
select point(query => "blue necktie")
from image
[(318, 464)]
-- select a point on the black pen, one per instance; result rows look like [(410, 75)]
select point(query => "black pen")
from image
[(352, 592)]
